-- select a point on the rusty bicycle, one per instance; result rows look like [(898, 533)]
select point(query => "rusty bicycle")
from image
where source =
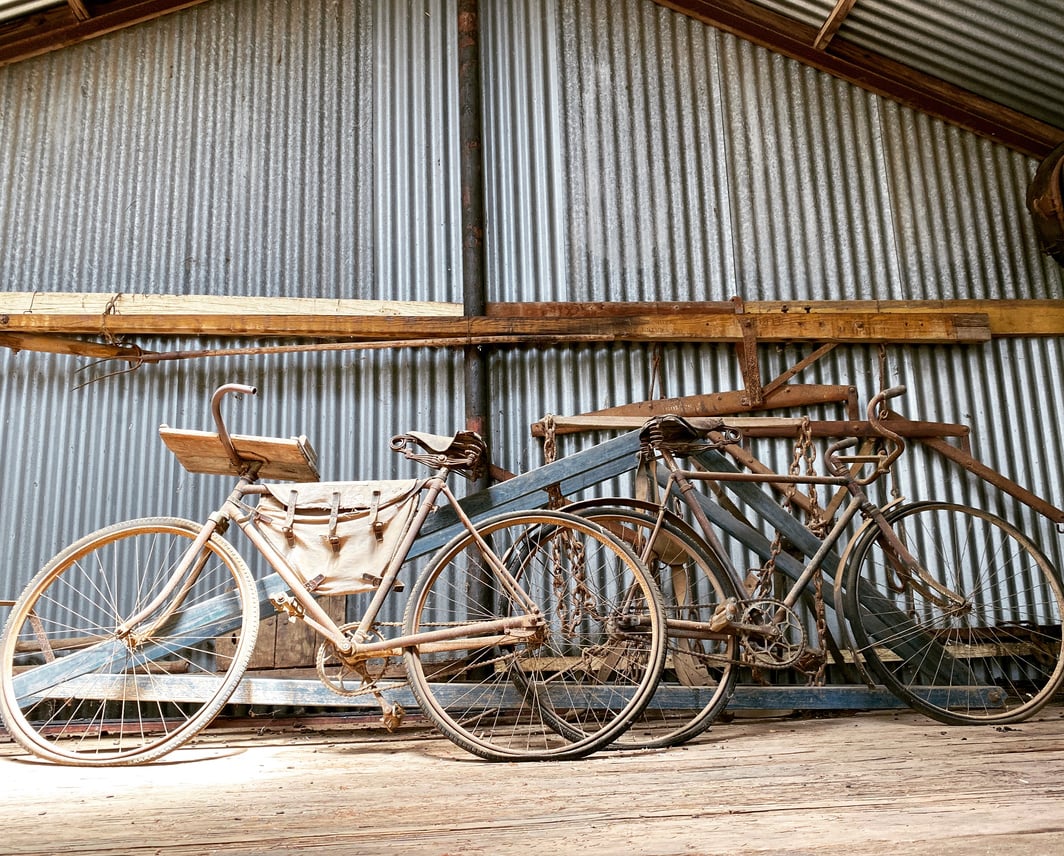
[(951, 608), (527, 636)]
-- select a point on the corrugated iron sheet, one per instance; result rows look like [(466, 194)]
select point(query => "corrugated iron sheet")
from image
[(631, 154), (1011, 51), (238, 148)]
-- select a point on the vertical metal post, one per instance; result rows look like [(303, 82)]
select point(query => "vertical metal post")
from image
[(474, 288), (474, 285)]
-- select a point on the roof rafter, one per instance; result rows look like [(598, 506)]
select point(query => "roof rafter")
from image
[(832, 23), (77, 21), (875, 73)]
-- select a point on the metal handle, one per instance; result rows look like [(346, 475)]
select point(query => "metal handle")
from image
[(216, 411), (875, 417)]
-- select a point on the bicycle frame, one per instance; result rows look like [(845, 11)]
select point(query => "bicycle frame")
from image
[(306, 607), (679, 483)]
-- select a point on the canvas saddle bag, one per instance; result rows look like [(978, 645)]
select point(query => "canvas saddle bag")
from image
[(338, 536)]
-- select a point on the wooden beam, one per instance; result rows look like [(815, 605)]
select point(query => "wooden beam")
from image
[(68, 346), (832, 23), (111, 316), (876, 73), (79, 10), (64, 25), (758, 426)]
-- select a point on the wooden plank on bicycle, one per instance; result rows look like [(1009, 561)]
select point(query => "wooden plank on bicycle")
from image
[(292, 459)]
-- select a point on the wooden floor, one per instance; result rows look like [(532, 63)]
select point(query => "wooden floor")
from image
[(883, 783)]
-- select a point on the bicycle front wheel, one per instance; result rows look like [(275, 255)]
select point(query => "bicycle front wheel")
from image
[(80, 685), (976, 639), (570, 681)]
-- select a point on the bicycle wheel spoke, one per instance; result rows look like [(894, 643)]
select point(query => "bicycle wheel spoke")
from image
[(81, 687), (570, 685), (699, 673), (984, 644)]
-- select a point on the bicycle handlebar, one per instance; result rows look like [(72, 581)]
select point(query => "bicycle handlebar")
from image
[(216, 411), (876, 415)]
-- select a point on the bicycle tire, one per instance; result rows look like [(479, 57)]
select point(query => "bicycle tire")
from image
[(994, 655), (700, 674), (76, 691), (504, 703)]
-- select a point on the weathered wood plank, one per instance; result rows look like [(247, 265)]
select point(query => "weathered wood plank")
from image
[(291, 459), (121, 314)]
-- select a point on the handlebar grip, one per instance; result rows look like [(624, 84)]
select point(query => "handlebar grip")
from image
[(238, 388)]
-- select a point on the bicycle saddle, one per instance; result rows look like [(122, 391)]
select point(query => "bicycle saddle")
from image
[(678, 435), (464, 451)]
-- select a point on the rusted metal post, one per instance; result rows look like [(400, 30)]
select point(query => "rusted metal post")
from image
[(474, 289)]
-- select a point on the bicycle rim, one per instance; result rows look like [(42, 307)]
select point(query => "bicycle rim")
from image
[(989, 651), (78, 689), (567, 688)]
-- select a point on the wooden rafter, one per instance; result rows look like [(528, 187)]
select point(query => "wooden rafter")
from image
[(79, 10), (832, 23), (77, 21), (875, 73)]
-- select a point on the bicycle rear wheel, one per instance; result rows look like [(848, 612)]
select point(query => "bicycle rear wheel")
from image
[(79, 687), (700, 669), (563, 689), (986, 648)]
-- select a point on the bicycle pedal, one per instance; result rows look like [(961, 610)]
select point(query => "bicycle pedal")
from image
[(393, 717), (287, 605), (724, 615)]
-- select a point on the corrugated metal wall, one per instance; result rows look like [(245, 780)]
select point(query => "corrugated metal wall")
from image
[(631, 154), (940, 37)]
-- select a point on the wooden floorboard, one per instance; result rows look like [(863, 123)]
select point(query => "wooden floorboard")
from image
[(857, 785)]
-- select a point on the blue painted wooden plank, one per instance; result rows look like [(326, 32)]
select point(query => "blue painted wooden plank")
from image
[(277, 692), (574, 473), (767, 508), (911, 642)]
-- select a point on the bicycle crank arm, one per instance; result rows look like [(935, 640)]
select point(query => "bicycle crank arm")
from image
[(478, 635), (680, 629)]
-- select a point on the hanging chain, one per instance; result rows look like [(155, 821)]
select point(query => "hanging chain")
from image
[(550, 439), (803, 452), (895, 490), (571, 607), (817, 679), (817, 523), (550, 455)]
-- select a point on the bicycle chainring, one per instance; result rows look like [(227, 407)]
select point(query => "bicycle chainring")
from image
[(780, 639), (347, 678)]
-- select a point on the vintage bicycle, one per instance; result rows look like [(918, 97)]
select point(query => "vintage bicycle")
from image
[(951, 608), (529, 635)]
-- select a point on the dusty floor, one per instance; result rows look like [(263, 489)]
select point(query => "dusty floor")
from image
[(856, 785)]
